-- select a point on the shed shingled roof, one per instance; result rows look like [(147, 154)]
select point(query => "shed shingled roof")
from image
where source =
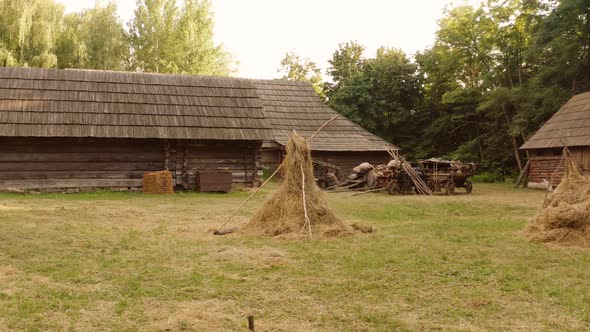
[(569, 126), (292, 105), (88, 103)]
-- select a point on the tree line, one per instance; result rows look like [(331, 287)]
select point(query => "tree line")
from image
[(163, 37), (493, 76)]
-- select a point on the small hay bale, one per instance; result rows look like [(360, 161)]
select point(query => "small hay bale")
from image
[(158, 183), (566, 215), (283, 215)]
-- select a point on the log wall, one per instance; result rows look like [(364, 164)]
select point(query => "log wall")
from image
[(238, 157), (271, 158), (55, 164), (542, 168), (545, 162)]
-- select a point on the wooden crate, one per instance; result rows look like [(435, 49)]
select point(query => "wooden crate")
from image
[(214, 181)]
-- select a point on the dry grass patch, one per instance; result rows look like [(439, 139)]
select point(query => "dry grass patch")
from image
[(257, 257), (120, 261), (204, 315)]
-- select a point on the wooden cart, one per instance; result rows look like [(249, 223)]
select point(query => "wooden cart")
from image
[(391, 178), (395, 180), (326, 175), (447, 175)]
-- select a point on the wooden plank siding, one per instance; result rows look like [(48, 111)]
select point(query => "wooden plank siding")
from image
[(542, 168), (239, 158), (545, 162), (64, 163)]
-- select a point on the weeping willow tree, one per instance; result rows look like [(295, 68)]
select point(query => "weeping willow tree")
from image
[(93, 39), (28, 32), (165, 36)]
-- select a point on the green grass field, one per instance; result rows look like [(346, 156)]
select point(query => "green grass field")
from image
[(119, 261)]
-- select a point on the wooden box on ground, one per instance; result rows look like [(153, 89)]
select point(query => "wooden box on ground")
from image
[(214, 181)]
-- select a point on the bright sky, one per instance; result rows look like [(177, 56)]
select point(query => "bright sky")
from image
[(259, 32)]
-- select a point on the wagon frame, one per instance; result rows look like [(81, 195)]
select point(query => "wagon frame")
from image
[(442, 174)]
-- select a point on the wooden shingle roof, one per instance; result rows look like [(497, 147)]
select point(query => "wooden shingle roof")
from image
[(569, 126), (86, 103), (292, 105)]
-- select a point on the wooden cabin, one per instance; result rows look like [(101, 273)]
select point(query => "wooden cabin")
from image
[(570, 127), (295, 106), (83, 129)]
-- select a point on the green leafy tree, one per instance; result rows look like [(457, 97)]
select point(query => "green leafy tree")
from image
[(152, 34), (297, 68), (198, 53), (6, 57), (476, 82), (562, 47), (168, 39), (93, 39), (346, 62), (28, 31), (382, 97)]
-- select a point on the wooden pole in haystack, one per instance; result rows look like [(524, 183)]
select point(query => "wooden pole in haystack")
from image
[(565, 154), (305, 216), (273, 174)]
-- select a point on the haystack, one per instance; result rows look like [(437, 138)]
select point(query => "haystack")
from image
[(298, 206), (565, 217), (158, 183)]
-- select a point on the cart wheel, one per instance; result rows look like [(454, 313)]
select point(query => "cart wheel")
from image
[(432, 185), (450, 188), (468, 187), (392, 188)]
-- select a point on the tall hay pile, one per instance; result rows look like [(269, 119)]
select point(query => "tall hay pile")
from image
[(565, 218), (283, 213)]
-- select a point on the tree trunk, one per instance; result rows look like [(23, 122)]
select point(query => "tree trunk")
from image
[(514, 145), (528, 155)]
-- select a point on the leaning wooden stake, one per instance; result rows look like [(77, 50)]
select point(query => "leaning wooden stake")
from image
[(251, 196), (322, 127), (250, 322), (306, 217), (563, 157), (523, 174), (368, 191)]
